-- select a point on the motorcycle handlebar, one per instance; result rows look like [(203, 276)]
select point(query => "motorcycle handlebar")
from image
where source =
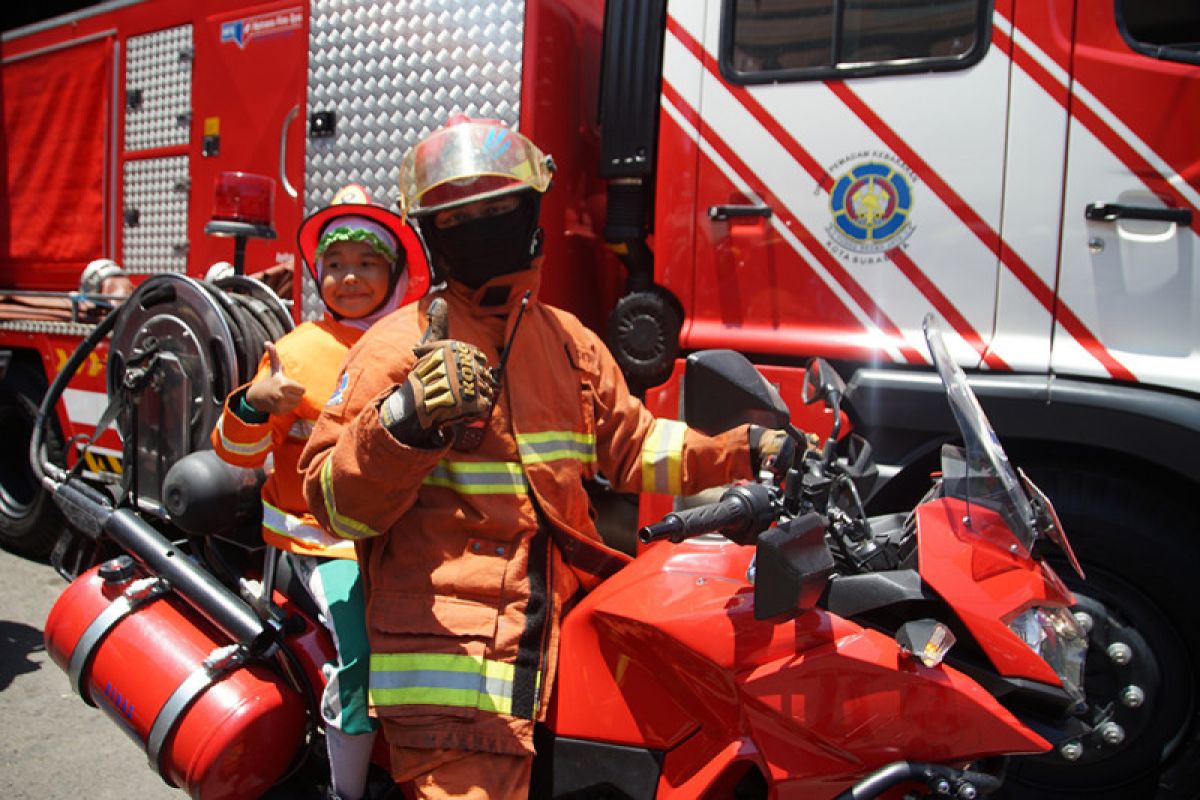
[(742, 511)]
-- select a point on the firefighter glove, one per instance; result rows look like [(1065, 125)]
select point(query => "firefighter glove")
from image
[(771, 450), (451, 382)]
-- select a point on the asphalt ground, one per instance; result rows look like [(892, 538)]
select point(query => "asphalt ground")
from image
[(53, 745)]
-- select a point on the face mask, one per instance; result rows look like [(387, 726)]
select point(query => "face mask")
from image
[(478, 250)]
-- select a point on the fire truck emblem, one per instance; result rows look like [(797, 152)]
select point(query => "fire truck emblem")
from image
[(871, 204)]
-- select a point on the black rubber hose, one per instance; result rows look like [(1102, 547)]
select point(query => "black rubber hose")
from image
[(54, 392)]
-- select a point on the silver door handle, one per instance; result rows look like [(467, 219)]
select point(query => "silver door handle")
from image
[(283, 178)]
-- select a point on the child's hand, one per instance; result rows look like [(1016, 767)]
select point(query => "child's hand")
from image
[(276, 393)]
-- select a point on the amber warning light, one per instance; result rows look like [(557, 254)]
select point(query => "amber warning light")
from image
[(243, 207)]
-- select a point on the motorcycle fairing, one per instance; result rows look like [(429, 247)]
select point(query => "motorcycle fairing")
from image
[(667, 655), (985, 582)]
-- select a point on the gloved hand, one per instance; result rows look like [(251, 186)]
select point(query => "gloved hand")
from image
[(451, 382), (770, 449)]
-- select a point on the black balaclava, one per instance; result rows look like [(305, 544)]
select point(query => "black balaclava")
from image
[(478, 250)]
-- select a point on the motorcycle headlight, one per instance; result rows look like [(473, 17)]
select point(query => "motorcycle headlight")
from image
[(1054, 635)]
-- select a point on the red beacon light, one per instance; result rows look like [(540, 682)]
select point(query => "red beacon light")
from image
[(243, 207)]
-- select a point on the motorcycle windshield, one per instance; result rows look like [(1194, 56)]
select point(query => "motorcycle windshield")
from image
[(980, 472)]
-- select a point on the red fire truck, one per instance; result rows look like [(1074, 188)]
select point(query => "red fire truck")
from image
[(787, 178)]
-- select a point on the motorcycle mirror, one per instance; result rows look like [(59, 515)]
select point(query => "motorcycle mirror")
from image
[(821, 382), (722, 390)]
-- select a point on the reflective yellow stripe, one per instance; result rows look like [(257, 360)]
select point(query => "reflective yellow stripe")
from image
[(662, 454), (478, 477), (342, 526), (538, 448), (292, 527), (441, 679), (251, 449)]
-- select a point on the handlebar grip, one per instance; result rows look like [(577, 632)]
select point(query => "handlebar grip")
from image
[(731, 511)]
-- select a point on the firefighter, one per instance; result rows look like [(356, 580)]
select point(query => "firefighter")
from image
[(366, 262), (465, 490)]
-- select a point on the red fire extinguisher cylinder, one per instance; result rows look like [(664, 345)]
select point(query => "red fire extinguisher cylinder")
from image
[(217, 726)]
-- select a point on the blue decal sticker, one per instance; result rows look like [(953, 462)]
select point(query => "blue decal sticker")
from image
[(233, 32), (340, 391), (497, 142)]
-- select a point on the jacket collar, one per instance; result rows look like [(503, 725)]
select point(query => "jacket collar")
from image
[(499, 296)]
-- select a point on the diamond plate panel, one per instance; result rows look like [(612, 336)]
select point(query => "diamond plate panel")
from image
[(393, 71), (155, 215), (311, 306), (158, 89)]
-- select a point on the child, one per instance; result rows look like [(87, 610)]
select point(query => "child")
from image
[(367, 262)]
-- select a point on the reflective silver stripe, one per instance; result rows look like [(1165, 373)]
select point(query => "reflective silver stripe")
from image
[(556, 445), (478, 477), (241, 449), (662, 455), (296, 529)]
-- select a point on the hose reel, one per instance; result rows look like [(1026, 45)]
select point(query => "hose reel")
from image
[(179, 347)]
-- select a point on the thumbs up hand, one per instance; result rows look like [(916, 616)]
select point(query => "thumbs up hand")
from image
[(450, 382), (275, 393)]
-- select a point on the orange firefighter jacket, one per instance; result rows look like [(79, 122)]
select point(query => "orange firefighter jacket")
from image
[(469, 556), (311, 354)]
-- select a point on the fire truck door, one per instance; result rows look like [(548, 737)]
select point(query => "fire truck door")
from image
[(850, 174), (249, 95), (1130, 251)]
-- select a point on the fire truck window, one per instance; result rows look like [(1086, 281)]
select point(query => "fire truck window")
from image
[(1162, 28), (773, 35), (812, 39)]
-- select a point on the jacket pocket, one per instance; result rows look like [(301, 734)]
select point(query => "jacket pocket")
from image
[(428, 656)]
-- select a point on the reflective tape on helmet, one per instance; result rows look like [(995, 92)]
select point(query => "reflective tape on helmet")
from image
[(478, 477), (292, 527), (340, 525), (539, 448), (441, 679), (662, 455), (242, 448)]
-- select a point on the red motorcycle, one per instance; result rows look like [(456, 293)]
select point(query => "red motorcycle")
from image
[(776, 643)]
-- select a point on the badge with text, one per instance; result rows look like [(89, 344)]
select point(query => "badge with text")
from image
[(871, 204), (247, 29)]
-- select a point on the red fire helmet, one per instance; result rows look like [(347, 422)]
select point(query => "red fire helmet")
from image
[(353, 201)]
